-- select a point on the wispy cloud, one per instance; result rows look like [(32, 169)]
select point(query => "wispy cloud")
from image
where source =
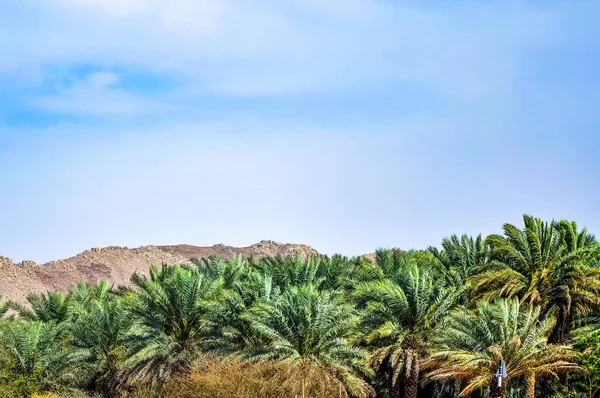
[(266, 48), (206, 121), (97, 94)]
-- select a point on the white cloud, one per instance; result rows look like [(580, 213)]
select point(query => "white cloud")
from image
[(251, 177), (97, 95), (112, 7), (264, 48), (352, 8)]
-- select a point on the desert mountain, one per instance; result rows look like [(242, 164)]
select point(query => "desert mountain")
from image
[(116, 264)]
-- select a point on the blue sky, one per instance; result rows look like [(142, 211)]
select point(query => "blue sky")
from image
[(344, 124)]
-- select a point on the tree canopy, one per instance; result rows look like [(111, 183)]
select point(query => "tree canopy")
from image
[(419, 323)]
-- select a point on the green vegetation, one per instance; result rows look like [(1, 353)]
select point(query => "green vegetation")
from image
[(421, 323)]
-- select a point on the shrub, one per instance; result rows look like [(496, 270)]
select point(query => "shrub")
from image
[(235, 379)]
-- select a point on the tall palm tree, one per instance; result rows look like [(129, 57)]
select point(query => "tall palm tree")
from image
[(402, 312), (171, 306), (471, 344), (544, 264), (311, 329)]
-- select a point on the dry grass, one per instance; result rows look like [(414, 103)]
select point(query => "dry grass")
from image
[(234, 379)]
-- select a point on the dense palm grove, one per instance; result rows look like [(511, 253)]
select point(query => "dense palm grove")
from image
[(422, 323)]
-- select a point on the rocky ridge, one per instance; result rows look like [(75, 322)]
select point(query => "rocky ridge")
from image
[(116, 264), (265, 248)]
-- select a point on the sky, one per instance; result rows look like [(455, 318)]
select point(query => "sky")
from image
[(348, 125)]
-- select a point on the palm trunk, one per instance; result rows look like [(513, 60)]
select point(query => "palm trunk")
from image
[(395, 390), (494, 393), (412, 382), (530, 385), (303, 386), (428, 390)]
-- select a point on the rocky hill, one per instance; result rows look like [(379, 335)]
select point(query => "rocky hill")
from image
[(265, 248), (116, 264)]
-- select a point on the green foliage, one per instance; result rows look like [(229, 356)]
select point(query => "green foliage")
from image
[(98, 337), (46, 307), (34, 352), (170, 308), (309, 328), (588, 380), (459, 258), (471, 344), (545, 264), (5, 306), (401, 312), (420, 323), (12, 383)]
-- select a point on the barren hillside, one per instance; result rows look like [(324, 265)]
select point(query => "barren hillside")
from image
[(261, 249), (116, 264)]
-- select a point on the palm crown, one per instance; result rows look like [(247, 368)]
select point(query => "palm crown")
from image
[(401, 313), (310, 328), (544, 264), (473, 342), (323, 324)]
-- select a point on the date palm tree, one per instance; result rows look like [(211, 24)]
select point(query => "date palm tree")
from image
[(459, 258), (578, 239), (401, 314), (544, 264), (313, 330), (288, 271), (46, 307), (171, 308), (471, 344), (337, 273), (35, 351), (84, 294), (243, 288), (98, 342)]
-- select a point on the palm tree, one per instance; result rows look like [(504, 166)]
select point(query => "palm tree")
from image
[(233, 333), (291, 270), (337, 272), (171, 308), (84, 294), (402, 312), (312, 330), (576, 239), (231, 272), (46, 307), (471, 344), (390, 261), (458, 259), (98, 338), (35, 350), (544, 264)]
